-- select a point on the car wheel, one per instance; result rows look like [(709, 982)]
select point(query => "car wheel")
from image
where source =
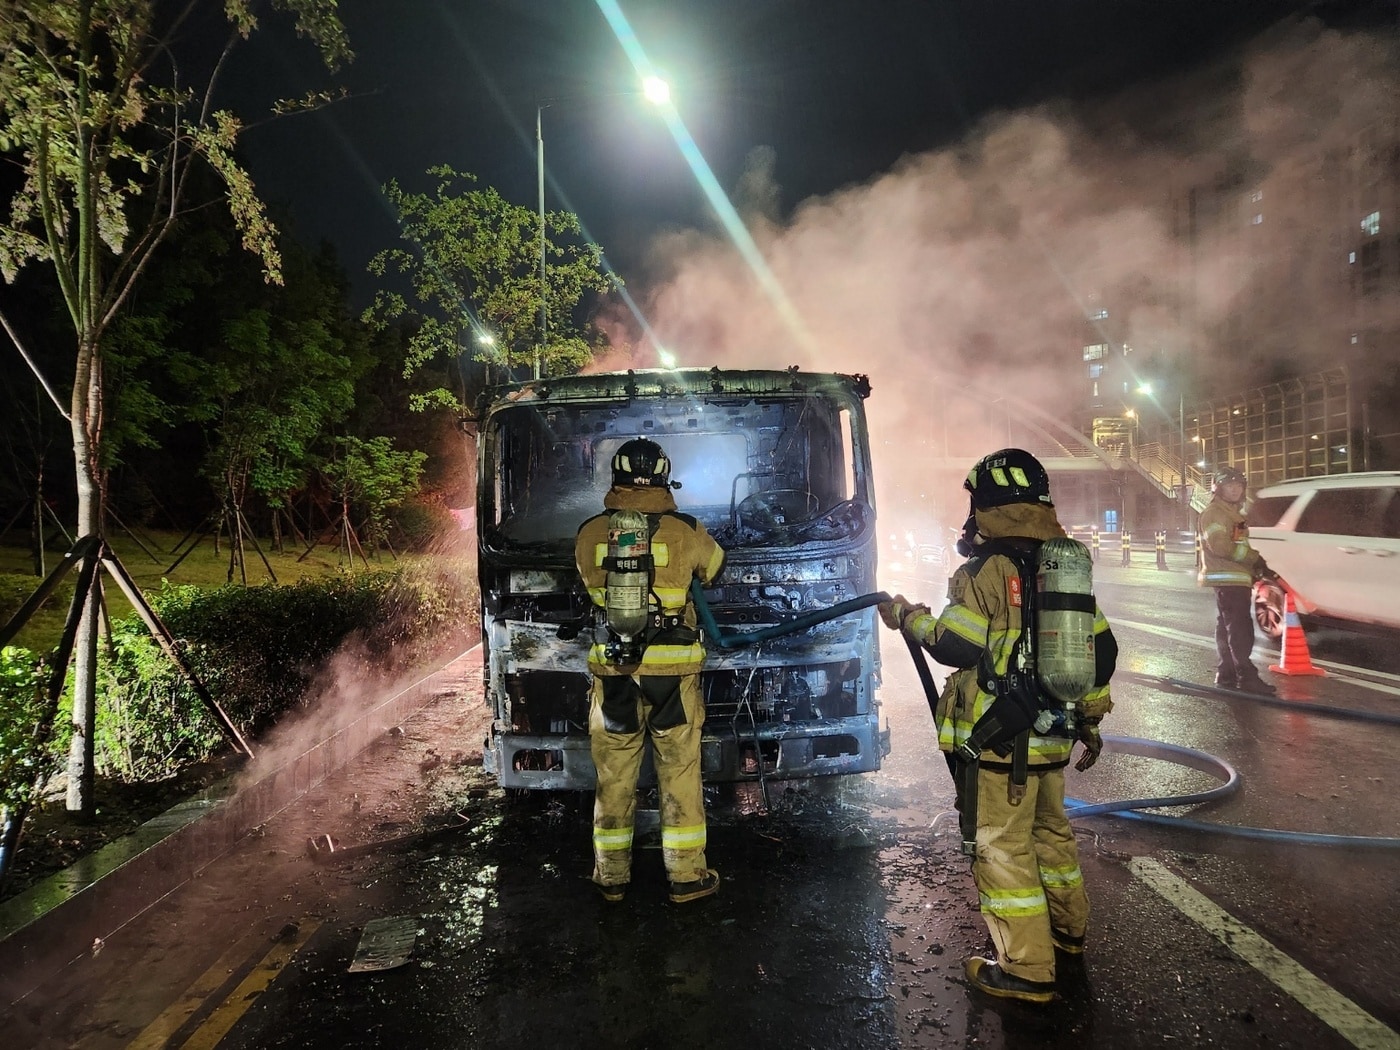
[(1268, 608)]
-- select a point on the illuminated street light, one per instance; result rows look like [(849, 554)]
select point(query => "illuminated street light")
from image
[(657, 92)]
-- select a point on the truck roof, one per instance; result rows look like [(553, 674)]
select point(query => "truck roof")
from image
[(673, 382)]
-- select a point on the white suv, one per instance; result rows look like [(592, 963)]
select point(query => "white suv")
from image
[(1335, 540)]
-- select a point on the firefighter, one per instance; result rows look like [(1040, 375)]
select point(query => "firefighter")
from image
[(1230, 565), (652, 689), (1025, 862)]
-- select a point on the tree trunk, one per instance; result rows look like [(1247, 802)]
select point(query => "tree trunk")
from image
[(87, 435)]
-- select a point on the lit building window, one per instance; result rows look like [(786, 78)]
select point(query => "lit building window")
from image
[(1351, 258), (1095, 351), (1371, 225), (1095, 370), (1256, 196), (1258, 219), (1099, 315)]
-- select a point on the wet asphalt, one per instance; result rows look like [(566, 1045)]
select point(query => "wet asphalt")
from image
[(846, 911)]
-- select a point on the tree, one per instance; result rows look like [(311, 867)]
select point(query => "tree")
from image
[(473, 267), (375, 477), (96, 109)]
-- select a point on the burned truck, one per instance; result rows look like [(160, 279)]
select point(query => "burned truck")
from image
[(776, 464)]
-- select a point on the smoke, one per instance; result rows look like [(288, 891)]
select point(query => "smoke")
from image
[(1203, 214)]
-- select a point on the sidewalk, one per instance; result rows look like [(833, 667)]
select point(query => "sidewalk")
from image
[(59, 919)]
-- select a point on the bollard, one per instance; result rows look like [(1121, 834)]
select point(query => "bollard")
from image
[(1127, 548), (1094, 545), (1199, 562), (1161, 550)]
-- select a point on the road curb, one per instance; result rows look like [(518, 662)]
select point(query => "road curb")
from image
[(63, 917)]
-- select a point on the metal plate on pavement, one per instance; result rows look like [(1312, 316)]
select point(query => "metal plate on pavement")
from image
[(385, 944)]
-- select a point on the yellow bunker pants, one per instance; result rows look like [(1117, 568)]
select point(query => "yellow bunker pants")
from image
[(617, 743), (1027, 871)]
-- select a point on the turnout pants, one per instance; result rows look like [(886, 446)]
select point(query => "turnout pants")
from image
[(624, 711), (1234, 632), (1027, 871)]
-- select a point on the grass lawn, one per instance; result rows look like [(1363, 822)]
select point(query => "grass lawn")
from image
[(148, 558)]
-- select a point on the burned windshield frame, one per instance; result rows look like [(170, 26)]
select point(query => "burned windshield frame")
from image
[(757, 471)]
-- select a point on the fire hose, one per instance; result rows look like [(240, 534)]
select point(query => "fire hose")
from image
[(1176, 754)]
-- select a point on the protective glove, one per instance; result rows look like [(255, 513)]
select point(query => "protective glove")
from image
[(1093, 745), (898, 609)]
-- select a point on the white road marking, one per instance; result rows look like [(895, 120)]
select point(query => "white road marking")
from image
[(1325, 1002), (1347, 672)]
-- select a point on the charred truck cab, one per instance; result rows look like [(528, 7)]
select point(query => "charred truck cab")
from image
[(777, 466)]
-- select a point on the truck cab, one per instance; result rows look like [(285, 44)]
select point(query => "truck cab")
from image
[(776, 464)]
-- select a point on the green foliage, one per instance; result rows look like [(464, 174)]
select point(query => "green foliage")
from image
[(376, 477), (25, 750), (473, 260), (259, 650)]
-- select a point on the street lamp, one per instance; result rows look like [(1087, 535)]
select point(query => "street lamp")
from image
[(654, 90)]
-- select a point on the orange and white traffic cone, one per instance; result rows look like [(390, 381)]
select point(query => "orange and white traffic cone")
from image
[(1296, 659)]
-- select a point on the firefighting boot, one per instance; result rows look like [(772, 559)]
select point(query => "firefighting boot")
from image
[(987, 976), (1067, 942), (705, 885), (613, 893)]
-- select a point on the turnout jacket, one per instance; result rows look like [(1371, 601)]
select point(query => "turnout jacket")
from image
[(1227, 559), (681, 549), (983, 618)]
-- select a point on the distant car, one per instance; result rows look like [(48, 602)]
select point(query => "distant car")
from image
[(913, 565), (1335, 541)]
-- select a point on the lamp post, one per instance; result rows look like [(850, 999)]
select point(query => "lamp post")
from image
[(657, 92), (544, 284)]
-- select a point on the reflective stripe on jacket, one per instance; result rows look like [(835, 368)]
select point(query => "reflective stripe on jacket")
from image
[(1227, 559), (681, 550)]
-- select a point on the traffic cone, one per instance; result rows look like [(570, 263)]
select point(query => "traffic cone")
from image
[(1294, 645)]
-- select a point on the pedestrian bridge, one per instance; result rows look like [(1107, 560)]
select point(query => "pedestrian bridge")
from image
[(967, 432)]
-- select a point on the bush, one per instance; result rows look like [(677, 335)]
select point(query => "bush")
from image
[(25, 753), (257, 650)]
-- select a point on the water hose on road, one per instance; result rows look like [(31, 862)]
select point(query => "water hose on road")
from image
[(1208, 763), (1177, 685), (1129, 808)]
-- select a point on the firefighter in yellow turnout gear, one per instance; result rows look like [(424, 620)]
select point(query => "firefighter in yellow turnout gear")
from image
[(651, 689), (1230, 566), (1026, 863)]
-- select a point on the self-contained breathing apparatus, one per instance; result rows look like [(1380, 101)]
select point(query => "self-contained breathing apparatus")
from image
[(630, 566), (627, 591)]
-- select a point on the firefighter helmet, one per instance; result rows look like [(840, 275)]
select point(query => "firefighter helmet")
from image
[(1225, 476), (1010, 475), (642, 462)]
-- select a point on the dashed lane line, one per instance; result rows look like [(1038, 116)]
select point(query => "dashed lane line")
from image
[(1329, 1005)]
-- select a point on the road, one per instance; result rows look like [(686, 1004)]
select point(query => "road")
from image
[(846, 910)]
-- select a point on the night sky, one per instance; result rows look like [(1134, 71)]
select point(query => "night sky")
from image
[(838, 90)]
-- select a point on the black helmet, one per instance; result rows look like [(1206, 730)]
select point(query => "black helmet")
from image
[(1011, 475), (641, 462), (1226, 475)]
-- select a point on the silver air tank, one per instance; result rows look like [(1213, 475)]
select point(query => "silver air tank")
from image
[(628, 582), (1064, 643)]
